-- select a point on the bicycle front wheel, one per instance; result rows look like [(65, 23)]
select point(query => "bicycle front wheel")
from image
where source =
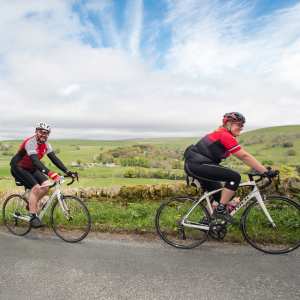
[(169, 218), (15, 215), (74, 222), (260, 233)]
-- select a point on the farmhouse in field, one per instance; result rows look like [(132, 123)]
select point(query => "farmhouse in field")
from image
[(109, 165)]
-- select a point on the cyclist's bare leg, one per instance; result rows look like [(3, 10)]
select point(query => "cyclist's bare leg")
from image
[(221, 212), (226, 195), (225, 198), (33, 198), (43, 192), (36, 194)]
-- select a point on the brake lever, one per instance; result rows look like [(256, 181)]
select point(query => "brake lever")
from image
[(73, 179)]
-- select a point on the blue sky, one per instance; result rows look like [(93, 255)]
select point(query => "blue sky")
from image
[(104, 69)]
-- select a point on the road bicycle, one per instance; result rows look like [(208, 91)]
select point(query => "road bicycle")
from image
[(270, 223), (69, 216)]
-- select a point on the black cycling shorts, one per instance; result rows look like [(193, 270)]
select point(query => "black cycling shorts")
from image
[(28, 178), (212, 175)]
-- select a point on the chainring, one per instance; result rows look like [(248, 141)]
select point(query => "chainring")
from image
[(218, 230)]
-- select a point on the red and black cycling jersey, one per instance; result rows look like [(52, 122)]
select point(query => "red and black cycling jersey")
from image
[(220, 143), (29, 147)]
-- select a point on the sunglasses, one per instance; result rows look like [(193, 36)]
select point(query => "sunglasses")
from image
[(44, 131), (240, 125)]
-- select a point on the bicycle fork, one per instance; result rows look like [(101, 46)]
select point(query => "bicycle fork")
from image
[(64, 207), (262, 204)]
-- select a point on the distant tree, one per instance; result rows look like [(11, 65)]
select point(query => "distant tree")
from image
[(291, 152), (291, 136), (265, 137), (248, 141), (144, 162), (136, 161), (57, 150), (267, 163), (79, 161), (77, 148), (288, 143), (129, 173), (278, 137), (101, 148), (159, 173), (269, 145), (256, 139)]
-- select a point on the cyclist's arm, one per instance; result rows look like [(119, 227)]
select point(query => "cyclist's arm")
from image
[(249, 160), (57, 162), (38, 164)]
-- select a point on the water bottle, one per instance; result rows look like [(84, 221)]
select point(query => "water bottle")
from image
[(215, 204), (232, 204), (43, 203)]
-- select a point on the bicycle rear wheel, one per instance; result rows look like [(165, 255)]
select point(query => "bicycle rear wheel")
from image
[(168, 222), (76, 224), (259, 232), (15, 215)]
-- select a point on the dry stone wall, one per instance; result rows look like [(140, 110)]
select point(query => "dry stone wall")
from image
[(289, 187)]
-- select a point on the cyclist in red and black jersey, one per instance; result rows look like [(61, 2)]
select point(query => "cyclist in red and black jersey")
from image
[(202, 161), (27, 168)]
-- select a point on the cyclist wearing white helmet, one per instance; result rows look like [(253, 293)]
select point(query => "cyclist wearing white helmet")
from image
[(202, 162), (27, 168)]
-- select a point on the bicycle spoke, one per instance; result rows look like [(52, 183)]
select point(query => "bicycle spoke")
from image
[(15, 215), (169, 222), (75, 224), (260, 233)]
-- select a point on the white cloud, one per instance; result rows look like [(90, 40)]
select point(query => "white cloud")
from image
[(134, 14), (218, 62)]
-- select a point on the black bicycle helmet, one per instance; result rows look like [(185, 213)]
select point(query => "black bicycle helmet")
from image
[(234, 117)]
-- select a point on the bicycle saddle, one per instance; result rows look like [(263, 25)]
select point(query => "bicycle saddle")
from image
[(18, 183), (193, 181)]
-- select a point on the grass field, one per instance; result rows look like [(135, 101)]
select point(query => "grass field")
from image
[(90, 148), (100, 182)]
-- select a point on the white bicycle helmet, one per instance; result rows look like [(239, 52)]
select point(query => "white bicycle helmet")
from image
[(44, 126)]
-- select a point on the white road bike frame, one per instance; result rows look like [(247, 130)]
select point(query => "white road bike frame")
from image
[(254, 193), (57, 194)]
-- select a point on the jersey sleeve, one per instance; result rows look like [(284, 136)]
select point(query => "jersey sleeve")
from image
[(49, 148), (230, 143), (30, 147)]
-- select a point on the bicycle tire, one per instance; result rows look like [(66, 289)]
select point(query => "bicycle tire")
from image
[(15, 206), (79, 224), (260, 234), (168, 217)]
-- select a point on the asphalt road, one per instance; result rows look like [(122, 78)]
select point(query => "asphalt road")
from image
[(40, 266)]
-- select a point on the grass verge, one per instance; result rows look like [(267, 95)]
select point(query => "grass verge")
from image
[(114, 217)]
